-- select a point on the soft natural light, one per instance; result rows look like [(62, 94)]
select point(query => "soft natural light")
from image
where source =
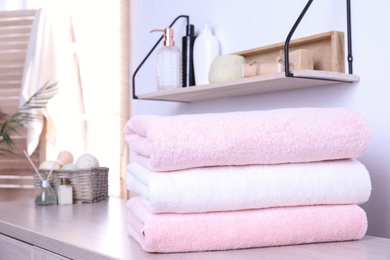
[(95, 129)]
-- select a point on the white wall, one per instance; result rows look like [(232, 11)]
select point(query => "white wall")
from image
[(247, 24)]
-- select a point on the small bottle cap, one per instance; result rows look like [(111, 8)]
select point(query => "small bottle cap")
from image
[(65, 181), (207, 27), (190, 29), (45, 183)]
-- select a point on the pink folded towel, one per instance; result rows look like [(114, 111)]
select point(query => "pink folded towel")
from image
[(244, 229), (249, 187), (241, 138)]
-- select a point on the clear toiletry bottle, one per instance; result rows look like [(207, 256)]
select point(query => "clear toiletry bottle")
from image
[(168, 63), (65, 192), (46, 195)]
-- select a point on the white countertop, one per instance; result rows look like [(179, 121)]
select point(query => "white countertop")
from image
[(98, 231)]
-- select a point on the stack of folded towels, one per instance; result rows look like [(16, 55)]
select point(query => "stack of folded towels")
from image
[(247, 179)]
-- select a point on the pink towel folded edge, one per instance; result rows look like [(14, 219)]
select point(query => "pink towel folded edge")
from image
[(168, 233), (168, 143)]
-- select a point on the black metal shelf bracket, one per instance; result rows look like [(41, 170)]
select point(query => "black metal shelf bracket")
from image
[(349, 35), (187, 17), (290, 34)]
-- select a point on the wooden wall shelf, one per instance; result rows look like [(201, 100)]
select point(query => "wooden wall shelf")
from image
[(253, 85), (327, 49), (329, 45)]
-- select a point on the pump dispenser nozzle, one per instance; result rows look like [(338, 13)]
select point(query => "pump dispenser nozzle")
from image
[(168, 36)]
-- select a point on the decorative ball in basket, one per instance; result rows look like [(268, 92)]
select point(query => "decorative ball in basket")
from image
[(89, 181)]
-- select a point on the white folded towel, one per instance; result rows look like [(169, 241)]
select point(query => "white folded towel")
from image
[(249, 187)]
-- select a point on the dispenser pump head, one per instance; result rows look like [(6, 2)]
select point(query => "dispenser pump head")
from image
[(168, 36)]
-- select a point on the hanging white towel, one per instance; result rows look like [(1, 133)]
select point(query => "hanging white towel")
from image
[(38, 70), (51, 58)]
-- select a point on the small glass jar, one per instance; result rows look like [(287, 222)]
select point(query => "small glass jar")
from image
[(46, 195), (65, 192)]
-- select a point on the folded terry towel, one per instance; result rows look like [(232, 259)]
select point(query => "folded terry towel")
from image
[(244, 229), (242, 138), (249, 187)]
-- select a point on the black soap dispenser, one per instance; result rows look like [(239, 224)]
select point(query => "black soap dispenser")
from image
[(188, 75)]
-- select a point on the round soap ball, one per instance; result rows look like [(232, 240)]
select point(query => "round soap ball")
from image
[(69, 167), (87, 161), (226, 67), (65, 157), (48, 165)]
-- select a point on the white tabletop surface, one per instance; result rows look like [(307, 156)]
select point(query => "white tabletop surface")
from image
[(98, 231)]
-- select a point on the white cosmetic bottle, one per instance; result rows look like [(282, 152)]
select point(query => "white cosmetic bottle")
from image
[(206, 48), (168, 63), (65, 192)]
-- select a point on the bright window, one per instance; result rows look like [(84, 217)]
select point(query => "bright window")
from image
[(97, 45)]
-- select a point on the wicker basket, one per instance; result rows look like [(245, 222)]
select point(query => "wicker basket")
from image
[(89, 185)]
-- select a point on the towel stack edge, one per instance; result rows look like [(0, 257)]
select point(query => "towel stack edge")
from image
[(226, 230), (247, 179), (170, 143), (250, 187)]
